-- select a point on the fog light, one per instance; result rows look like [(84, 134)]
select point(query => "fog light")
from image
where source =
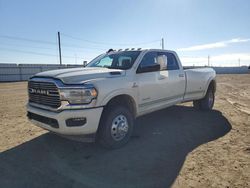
[(76, 122)]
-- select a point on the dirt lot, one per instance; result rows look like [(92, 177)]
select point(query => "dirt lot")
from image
[(177, 147)]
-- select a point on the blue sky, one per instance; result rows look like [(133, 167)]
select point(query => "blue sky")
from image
[(194, 28)]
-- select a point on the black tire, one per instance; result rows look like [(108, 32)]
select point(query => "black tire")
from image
[(196, 104), (112, 123), (207, 102)]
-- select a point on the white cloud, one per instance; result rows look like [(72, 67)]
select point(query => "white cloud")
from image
[(218, 60), (221, 44), (193, 59), (232, 57)]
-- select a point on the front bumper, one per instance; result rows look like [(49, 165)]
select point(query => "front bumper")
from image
[(92, 116)]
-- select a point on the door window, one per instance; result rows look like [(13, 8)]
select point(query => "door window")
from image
[(166, 60), (171, 61), (149, 59), (148, 63)]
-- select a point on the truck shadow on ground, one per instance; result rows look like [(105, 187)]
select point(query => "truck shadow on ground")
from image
[(153, 157)]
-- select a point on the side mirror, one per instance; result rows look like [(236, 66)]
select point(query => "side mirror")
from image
[(85, 63), (150, 68), (162, 61)]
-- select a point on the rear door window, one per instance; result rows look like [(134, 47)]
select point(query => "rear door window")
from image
[(171, 61)]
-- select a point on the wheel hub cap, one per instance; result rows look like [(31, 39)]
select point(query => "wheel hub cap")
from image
[(119, 127)]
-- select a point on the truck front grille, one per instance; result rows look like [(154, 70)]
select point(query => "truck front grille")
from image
[(44, 93)]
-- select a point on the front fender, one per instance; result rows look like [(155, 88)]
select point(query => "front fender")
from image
[(118, 92)]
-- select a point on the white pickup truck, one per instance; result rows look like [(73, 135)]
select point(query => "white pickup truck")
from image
[(102, 100)]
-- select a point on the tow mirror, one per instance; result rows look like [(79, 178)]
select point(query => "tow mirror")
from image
[(85, 63), (149, 68)]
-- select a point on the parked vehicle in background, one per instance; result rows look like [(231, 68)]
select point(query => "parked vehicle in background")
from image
[(102, 100)]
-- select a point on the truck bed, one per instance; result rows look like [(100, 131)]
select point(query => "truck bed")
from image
[(196, 82)]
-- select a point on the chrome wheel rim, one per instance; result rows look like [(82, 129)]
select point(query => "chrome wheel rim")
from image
[(210, 99), (119, 128)]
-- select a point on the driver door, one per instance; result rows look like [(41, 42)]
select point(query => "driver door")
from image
[(149, 83), (158, 89)]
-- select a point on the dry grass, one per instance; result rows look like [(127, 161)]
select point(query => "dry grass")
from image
[(223, 162)]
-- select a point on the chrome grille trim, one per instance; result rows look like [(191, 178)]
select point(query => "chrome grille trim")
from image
[(64, 105), (44, 93)]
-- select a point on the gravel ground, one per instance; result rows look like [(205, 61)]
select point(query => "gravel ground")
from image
[(178, 146)]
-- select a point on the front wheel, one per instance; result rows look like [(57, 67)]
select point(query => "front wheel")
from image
[(207, 102), (116, 127)]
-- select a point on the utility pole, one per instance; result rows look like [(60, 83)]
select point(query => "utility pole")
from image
[(162, 43), (75, 59), (208, 60), (239, 62), (59, 44)]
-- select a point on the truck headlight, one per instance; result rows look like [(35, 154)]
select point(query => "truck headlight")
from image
[(78, 95)]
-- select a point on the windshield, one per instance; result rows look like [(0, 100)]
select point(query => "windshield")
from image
[(115, 60)]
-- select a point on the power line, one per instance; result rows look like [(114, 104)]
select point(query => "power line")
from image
[(27, 46), (47, 42), (86, 48), (106, 43), (26, 39), (66, 45), (34, 53)]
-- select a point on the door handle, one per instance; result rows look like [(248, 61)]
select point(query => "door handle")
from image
[(161, 77), (181, 75), (135, 85)]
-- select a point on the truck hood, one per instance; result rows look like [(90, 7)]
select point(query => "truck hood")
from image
[(82, 75)]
